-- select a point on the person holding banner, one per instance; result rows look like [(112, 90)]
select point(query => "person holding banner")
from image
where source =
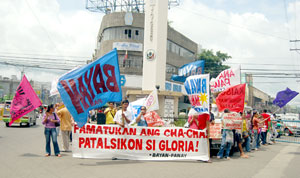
[(245, 132), (123, 117), (238, 138), (200, 121), (256, 133), (140, 120), (227, 140), (110, 113), (49, 120), (267, 125)]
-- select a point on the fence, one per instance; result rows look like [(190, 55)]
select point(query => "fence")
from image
[(287, 131)]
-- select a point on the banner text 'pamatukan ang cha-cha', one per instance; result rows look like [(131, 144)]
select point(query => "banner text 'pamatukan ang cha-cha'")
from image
[(139, 143)]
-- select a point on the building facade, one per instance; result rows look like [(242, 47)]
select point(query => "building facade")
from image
[(125, 32)]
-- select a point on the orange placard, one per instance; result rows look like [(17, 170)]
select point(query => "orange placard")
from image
[(215, 131), (153, 119)]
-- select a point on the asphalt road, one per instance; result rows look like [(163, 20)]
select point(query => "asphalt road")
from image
[(22, 155)]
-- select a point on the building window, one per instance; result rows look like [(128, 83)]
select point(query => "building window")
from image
[(117, 33), (179, 50), (128, 33), (170, 69)]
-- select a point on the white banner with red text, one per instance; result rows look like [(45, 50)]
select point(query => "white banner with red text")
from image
[(139, 143)]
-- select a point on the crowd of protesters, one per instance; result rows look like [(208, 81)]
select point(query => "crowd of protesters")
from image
[(257, 128)]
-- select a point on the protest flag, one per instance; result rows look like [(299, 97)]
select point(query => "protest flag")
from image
[(226, 79), (283, 97), (54, 83), (151, 102), (91, 86), (135, 107), (24, 101), (193, 68), (197, 88), (232, 98)]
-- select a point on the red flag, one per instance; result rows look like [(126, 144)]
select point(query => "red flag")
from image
[(232, 98), (24, 101)]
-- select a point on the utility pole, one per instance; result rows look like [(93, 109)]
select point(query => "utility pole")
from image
[(295, 49)]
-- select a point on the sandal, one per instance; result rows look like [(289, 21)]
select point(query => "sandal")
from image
[(46, 155), (58, 155)]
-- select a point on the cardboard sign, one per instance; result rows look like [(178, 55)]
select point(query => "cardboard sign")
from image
[(232, 121), (215, 131)]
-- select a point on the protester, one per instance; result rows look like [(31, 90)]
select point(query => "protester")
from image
[(227, 140), (250, 125), (56, 108), (245, 133), (140, 120), (49, 120), (238, 138), (66, 124), (212, 122), (110, 113), (123, 117), (267, 124), (256, 135), (274, 133), (200, 121)]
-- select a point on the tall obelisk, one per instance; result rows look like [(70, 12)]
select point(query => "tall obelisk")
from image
[(155, 44)]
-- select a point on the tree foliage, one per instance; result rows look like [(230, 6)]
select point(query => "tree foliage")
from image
[(213, 62)]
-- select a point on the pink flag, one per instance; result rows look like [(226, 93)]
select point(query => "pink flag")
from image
[(24, 101)]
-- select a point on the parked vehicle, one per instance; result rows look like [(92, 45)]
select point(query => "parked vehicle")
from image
[(28, 120)]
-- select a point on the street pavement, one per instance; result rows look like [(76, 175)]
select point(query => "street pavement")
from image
[(22, 156)]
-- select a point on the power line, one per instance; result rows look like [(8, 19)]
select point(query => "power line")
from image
[(43, 59), (290, 65), (227, 23), (52, 55), (270, 70), (36, 66), (264, 73), (37, 19), (262, 76)]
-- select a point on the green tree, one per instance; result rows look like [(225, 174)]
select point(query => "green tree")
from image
[(213, 62)]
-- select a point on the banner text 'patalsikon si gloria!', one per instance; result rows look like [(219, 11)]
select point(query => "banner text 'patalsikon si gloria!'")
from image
[(141, 143)]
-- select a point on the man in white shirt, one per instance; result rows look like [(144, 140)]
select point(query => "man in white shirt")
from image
[(123, 117)]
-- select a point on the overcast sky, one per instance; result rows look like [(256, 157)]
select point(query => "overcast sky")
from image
[(252, 32)]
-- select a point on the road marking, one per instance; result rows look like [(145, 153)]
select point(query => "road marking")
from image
[(279, 163)]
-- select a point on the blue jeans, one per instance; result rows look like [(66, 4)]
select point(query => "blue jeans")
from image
[(264, 137), (224, 145), (51, 133), (247, 144), (256, 137)]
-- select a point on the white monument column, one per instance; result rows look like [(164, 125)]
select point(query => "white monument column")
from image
[(155, 44)]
